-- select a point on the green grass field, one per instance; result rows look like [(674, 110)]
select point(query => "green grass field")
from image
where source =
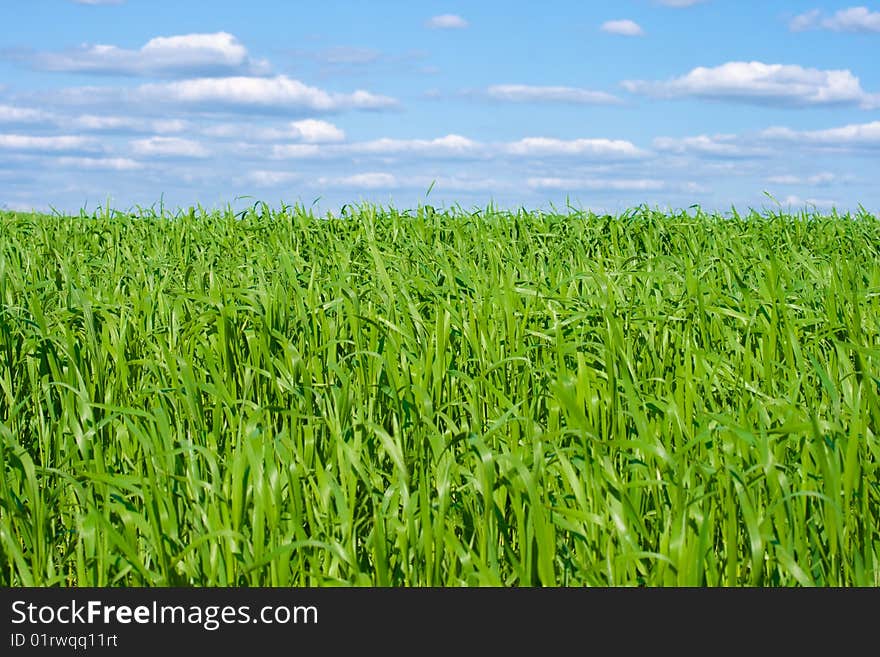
[(444, 398)]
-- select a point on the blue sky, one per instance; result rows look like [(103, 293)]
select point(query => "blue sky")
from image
[(605, 104)]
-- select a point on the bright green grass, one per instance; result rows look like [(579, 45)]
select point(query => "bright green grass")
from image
[(390, 398)]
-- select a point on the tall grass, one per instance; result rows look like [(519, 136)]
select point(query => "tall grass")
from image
[(439, 398)]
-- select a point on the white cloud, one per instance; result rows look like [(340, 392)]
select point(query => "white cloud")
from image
[(461, 184), (58, 143), (261, 178), (793, 200), (219, 53), (624, 27), (315, 131), (853, 19), (293, 151), (521, 93), (122, 123), (360, 181), (101, 163), (311, 131), (597, 184), (168, 147), (720, 146), (759, 83), (447, 22), (457, 146), (279, 92), (859, 135), (805, 21), (12, 114), (448, 145), (825, 178), (91, 122), (784, 180), (598, 148)]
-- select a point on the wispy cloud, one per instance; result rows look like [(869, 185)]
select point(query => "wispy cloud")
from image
[(47, 144), (219, 53), (457, 146), (597, 184), (447, 22), (797, 201), (853, 19), (100, 163), (711, 146), (824, 178), (596, 148), (623, 27), (523, 93), (763, 84), (853, 136), (263, 178), (120, 124), (448, 146), (347, 55), (13, 114), (678, 4), (371, 180), (168, 147)]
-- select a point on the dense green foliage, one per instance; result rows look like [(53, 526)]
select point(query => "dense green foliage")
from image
[(439, 398)]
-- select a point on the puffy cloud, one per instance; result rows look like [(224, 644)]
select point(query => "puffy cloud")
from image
[(448, 145), (623, 27), (316, 131), (279, 92), (759, 83), (219, 53), (311, 131)]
